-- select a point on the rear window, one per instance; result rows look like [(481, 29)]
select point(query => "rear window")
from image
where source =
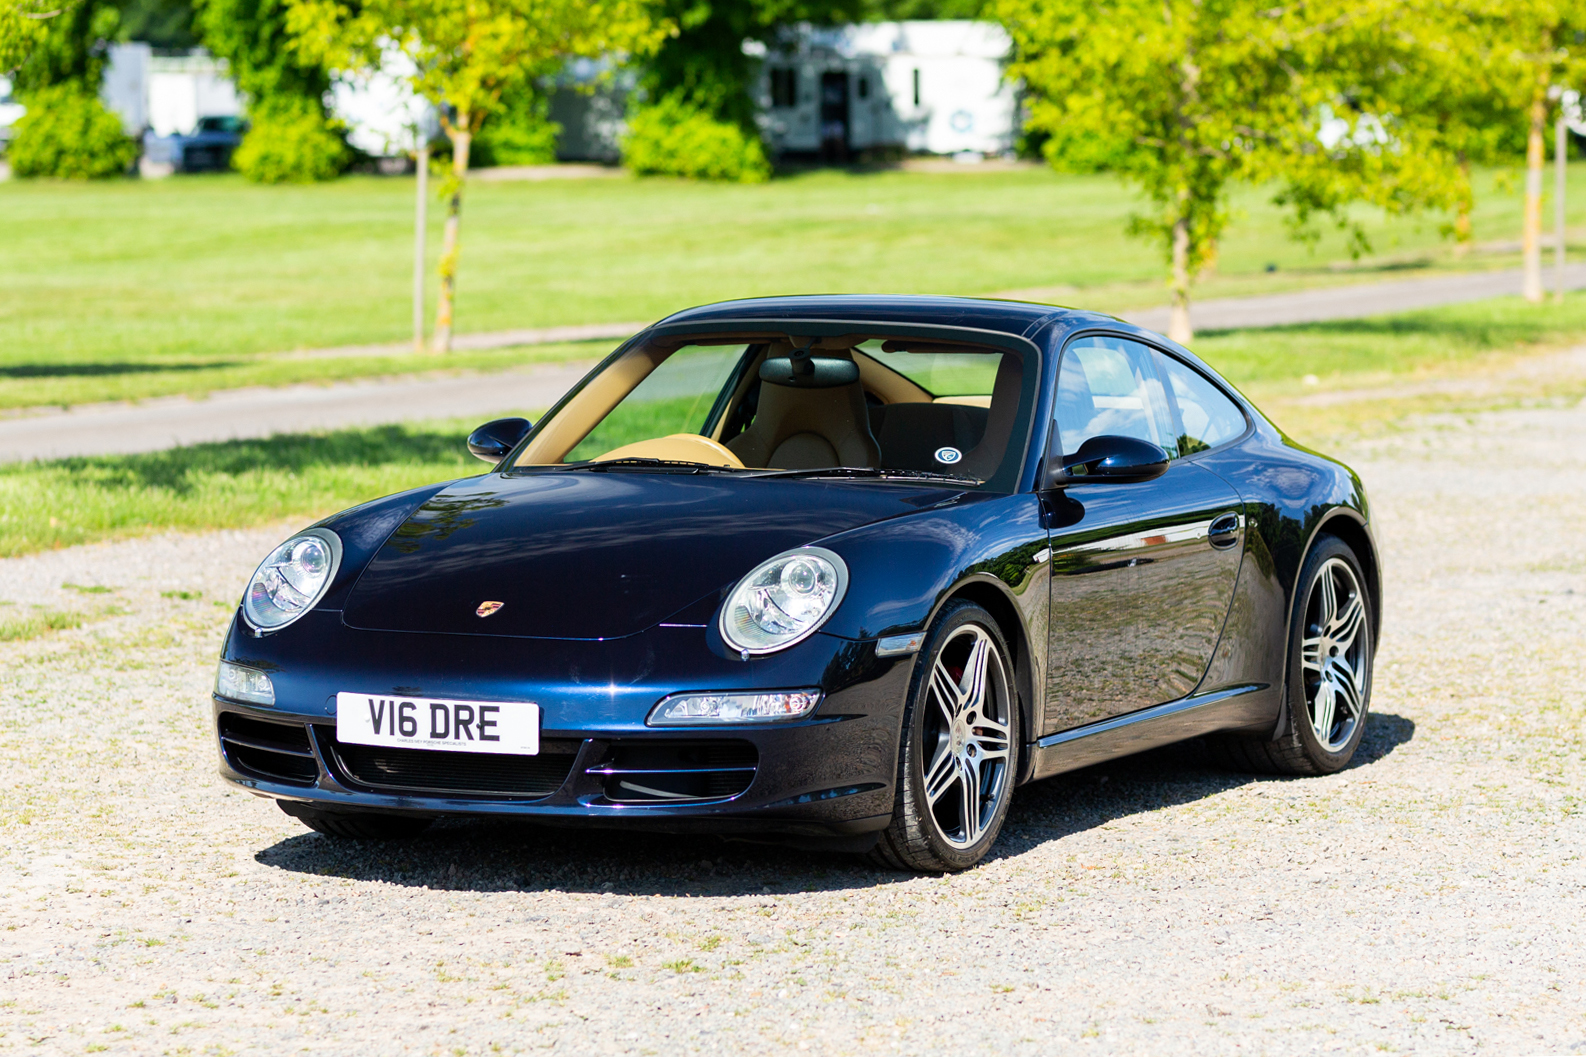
[(941, 373)]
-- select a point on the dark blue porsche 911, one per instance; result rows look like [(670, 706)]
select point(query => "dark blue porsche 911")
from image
[(844, 571)]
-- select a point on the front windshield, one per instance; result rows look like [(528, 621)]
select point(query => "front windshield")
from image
[(856, 404), (673, 398)]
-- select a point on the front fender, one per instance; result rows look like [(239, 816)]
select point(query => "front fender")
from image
[(990, 549)]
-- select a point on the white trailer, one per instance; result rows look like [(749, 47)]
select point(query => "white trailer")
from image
[(923, 87)]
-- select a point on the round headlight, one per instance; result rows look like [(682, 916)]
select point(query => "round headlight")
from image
[(292, 579), (783, 600)]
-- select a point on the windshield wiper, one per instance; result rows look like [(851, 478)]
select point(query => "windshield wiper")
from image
[(637, 463), (867, 471)]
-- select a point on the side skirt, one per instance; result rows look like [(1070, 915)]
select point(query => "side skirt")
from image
[(1248, 706)]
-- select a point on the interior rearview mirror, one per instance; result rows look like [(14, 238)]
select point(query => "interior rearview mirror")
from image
[(493, 440), (1109, 459)]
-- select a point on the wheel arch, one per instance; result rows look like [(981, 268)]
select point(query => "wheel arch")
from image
[(1346, 524), (992, 595), (1349, 526)]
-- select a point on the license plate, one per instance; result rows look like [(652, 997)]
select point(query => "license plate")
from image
[(511, 727)]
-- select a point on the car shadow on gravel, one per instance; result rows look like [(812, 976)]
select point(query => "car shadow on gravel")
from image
[(1166, 777), (489, 855)]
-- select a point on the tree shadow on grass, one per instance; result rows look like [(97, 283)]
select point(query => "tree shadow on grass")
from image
[(98, 370), (489, 855), (1498, 323), (180, 470)]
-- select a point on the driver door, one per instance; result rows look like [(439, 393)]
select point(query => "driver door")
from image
[(1143, 572)]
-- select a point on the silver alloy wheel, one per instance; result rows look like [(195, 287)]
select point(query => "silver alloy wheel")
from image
[(1335, 657), (965, 736)]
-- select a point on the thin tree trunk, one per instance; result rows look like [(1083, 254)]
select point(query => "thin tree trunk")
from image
[(461, 140), (1560, 172), (1532, 239), (1464, 236), (420, 222), (1178, 327)]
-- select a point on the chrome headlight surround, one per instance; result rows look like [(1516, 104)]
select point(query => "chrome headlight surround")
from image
[(297, 573), (783, 601)]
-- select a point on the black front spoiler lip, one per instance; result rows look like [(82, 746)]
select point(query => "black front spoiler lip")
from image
[(579, 801)]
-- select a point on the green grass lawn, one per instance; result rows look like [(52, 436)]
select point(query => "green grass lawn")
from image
[(239, 483), (136, 289), (130, 290), (227, 485)]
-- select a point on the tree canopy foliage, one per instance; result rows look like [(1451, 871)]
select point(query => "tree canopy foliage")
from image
[(252, 36), (1186, 97), (72, 47), (23, 24), (465, 55)]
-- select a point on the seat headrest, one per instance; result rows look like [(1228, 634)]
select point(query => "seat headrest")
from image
[(809, 372)]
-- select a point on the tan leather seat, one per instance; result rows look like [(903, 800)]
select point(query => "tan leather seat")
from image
[(808, 429), (988, 454)]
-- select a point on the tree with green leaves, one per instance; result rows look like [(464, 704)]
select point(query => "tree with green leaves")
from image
[(73, 47), (291, 137), (465, 55), (1186, 98), (1524, 48), (68, 132), (23, 24)]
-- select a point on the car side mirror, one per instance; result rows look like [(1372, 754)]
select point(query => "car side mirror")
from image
[(493, 440), (1108, 459)]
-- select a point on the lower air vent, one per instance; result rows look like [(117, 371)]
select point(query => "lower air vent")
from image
[(457, 773), (657, 772), (276, 752)]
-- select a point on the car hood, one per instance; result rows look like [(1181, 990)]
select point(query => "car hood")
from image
[(592, 555)]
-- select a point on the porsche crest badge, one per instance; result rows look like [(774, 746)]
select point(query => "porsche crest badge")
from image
[(487, 608)]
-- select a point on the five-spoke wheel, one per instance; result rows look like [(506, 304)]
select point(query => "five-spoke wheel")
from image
[(956, 768), (1335, 655), (1329, 678)]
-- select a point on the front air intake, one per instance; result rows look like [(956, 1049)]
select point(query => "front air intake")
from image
[(455, 773), (274, 752), (672, 772)]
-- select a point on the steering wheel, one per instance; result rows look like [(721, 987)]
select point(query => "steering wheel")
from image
[(679, 447)]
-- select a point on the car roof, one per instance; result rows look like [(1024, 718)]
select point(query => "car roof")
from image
[(983, 313), (1022, 318)]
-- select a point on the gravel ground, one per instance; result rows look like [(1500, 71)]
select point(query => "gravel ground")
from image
[(1428, 899)]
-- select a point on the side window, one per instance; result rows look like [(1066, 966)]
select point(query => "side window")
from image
[(1109, 386), (1209, 418)]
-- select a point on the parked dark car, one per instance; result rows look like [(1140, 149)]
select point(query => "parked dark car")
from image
[(846, 570), (208, 148)]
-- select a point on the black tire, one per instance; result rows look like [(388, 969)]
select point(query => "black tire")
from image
[(355, 825), (1299, 749), (918, 838)]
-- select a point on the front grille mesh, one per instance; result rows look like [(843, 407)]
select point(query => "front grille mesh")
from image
[(465, 773)]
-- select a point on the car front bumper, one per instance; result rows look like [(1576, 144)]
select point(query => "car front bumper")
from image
[(831, 775)]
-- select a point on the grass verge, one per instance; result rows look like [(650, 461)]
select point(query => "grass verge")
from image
[(64, 383), (1480, 350), (228, 485), (192, 283)]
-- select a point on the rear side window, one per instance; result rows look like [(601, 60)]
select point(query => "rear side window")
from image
[(1110, 387), (1207, 416)]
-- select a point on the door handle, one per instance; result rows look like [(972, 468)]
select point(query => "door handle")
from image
[(1224, 531)]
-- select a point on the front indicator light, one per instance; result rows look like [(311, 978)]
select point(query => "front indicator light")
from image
[(690, 710), (236, 683)]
